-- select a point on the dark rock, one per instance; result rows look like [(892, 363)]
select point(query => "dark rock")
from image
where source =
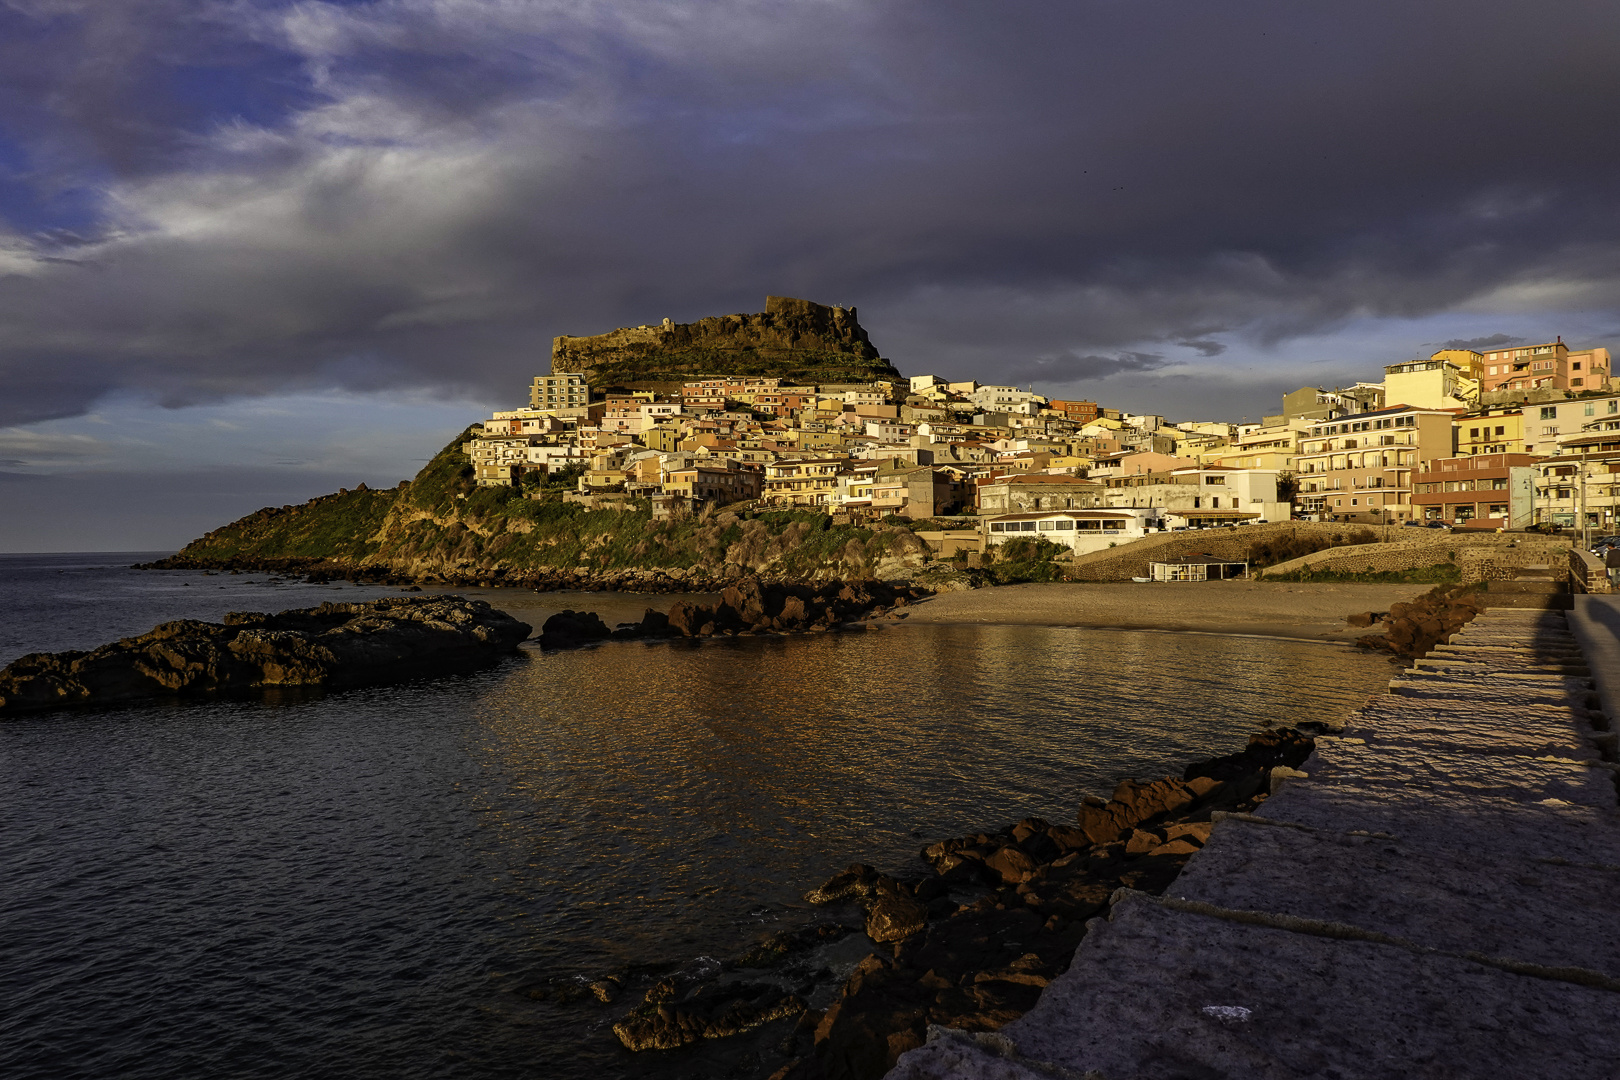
[(571, 629), (895, 918), (1010, 864), (1136, 802), (331, 646), (858, 881), (715, 1012)]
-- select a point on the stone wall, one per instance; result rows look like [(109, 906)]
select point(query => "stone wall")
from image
[(1587, 573), (1482, 556), (1131, 559), (1479, 556)]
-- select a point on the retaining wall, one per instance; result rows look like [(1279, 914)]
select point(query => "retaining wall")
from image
[(1131, 559)]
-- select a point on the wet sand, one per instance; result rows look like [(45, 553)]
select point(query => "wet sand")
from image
[(1271, 609)]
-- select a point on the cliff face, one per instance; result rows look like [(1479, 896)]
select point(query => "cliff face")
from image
[(794, 340), (442, 526)]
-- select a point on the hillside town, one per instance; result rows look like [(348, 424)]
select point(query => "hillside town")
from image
[(1516, 437)]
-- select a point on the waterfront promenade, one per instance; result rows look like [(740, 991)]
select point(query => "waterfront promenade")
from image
[(1433, 896)]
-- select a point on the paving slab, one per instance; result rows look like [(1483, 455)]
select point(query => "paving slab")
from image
[(1494, 898), (1446, 819), (1496, 736), (1497, 695), (1163, 994), (1352, 768)]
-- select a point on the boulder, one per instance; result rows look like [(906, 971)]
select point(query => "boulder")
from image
[(895, 918), (571, 629)]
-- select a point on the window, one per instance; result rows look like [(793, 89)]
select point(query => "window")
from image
[(1590, 408), (1473, 433), (1501, 430), (1549, 412)]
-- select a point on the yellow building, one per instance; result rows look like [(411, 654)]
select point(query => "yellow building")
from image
[(803, 481), (1435, 383), (1261, 448), (1497, 430), (1469, 362)]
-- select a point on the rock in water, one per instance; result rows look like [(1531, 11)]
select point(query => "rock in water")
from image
[(334, 645)]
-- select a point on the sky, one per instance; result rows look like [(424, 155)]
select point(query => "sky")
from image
[(253, 251)]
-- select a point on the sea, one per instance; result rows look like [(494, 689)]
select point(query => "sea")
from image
[(394, 882)]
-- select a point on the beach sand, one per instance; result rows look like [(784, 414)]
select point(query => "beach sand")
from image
[(1272, 609)]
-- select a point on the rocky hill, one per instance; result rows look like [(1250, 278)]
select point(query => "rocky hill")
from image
[(442, 527), (798, 341)]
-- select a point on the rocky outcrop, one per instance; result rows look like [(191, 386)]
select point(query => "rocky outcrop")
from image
[(334, 645), (795, 340), (750, 606), (968, 943), (1412, 629), (1004, 911)]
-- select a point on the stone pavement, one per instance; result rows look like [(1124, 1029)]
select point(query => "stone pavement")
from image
[(1436, 895)]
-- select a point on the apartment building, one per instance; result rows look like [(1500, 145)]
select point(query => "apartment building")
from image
[(1440, 382), (1202, 495), (1550, 364), (1494, 430), (1360, 468), (1580, 482), (565, 391), (1081, 412), (721, 482), (802, 481), (1490, 491), (1546, 423), (1273, 447)]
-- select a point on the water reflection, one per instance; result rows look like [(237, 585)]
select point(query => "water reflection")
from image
[(368, 883)]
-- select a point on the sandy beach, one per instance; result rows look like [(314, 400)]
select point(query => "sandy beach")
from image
[(1272, 609)]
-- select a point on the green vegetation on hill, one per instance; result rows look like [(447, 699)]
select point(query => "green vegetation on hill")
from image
[(792, 366), (443, 523)]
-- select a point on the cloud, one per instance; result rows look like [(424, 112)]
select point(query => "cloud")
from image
[(1490, 341), (1203, 346), (210, 201), (1074, 368)]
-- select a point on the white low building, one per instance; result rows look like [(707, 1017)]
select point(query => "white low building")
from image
[(1080, 531)]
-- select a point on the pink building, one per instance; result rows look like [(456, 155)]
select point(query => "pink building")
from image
[(1551, 364)]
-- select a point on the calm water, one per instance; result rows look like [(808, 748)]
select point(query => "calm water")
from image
[(366, 885)]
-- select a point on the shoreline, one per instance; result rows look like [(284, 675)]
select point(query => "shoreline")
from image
[(1277, 610), (1298, 611)]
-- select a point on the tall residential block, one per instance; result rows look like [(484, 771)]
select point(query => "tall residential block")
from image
[(1360, 468), (565, 391)]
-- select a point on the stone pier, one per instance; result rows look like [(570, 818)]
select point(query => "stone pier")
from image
[(1436, 895)]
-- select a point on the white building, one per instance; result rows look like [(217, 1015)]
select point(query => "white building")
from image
[(1006, 399), (1080, 531)]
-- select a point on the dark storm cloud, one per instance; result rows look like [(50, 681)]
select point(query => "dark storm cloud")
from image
[(421, 193), (1072, 368), (1490, 341)]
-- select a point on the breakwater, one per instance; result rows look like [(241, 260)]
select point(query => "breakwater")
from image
[(330, 646), (1431, 895)]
